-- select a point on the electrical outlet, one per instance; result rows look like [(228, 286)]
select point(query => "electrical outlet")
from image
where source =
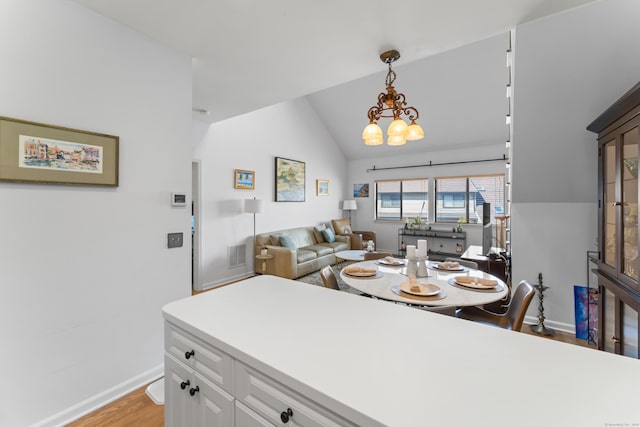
[(174, 240)]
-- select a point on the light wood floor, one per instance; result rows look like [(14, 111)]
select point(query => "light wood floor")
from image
[(137, 409)]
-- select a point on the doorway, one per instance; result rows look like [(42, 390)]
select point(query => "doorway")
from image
[(196, 283)]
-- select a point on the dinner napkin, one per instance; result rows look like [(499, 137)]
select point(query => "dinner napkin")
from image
[(391, 260), (360, 270), (411, 284), (449, 265), (468, 279)]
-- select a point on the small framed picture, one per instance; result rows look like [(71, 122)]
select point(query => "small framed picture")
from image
[(322, 187), (244, 179), (360, 190)]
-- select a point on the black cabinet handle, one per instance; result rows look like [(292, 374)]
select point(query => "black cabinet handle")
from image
[(285, 415), (188, 354), (193, 391), (184, 384)]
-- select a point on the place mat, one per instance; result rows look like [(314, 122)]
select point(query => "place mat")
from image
[(497, 288), (442, 266), (440, 295), (424, 289)]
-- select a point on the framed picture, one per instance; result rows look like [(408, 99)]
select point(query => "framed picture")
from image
[(290, 180), (244, 179), (360, 190), (48, 154), (322, 187)]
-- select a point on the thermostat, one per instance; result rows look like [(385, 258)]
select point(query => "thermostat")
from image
[(178, 199)]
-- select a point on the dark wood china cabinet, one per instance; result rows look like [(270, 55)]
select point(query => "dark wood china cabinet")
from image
[(618, 130)]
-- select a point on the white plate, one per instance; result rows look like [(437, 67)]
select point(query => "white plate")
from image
[(397, 263), (426, 289), (437, 266), (475, 286)]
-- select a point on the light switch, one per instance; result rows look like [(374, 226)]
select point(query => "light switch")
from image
[(174, 240)]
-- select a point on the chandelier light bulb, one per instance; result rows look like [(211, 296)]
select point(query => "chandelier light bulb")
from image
[(372, 134), (414, 132), (396, 140), (397, 127)]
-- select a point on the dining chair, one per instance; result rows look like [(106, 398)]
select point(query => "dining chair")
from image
[(511, 319), (463, 262), (329, 279), (376, 255)]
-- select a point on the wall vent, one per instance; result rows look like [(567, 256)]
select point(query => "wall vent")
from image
[(237, 255)]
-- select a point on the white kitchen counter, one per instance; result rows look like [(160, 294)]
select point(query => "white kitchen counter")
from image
[(377, 363)]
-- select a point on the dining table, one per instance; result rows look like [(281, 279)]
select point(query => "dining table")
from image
[(455, 286)]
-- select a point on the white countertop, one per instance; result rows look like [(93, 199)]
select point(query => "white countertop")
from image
[(379, 363)]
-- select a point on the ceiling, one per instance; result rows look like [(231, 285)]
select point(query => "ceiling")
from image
[(249, 54)]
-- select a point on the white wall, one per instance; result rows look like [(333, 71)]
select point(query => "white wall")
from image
[(84, 271), (252, 141), (568, 69)]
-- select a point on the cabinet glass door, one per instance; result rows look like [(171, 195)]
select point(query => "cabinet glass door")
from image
[(609, 226), (630, 203)]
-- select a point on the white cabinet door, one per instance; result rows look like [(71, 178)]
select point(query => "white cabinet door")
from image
[(179, 407), (214, 406)]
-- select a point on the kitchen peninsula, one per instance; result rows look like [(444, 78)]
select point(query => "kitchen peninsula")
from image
[(272, 351)]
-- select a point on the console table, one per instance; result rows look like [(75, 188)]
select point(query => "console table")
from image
[(273, 351), (441, 244)]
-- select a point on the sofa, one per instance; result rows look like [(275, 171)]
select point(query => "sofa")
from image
[(299, 251)]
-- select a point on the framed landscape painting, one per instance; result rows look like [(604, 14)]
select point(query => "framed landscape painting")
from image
[(244, 179), (48, 154), (322, 187), (290, 180), (360, 190)]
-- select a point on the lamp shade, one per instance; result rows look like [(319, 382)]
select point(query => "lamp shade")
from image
[(349, 205), (372, 134), (253, 206)]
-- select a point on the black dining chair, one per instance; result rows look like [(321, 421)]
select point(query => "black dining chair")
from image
[(514, 316)]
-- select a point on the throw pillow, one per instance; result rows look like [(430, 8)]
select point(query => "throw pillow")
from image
[(317, 232), (287, 242), (274, 239), (345, 229), (328, 235)]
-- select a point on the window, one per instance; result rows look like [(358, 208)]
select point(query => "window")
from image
[(402, 199), (462, 198)]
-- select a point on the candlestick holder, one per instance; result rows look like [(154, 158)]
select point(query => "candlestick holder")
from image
[(417, 266), (540, 328)]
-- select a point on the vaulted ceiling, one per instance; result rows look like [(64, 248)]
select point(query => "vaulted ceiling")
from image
[(249, 54)]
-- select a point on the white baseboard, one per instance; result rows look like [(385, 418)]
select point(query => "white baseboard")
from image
[(101, 399), (227, 280)]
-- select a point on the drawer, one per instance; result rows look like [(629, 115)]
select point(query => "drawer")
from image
[(270, 399), (245, 417), (213, 364)]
